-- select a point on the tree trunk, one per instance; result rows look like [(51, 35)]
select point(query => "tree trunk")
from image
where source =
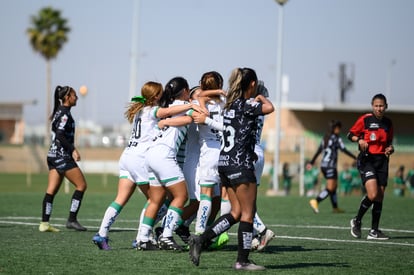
[(48, 102)]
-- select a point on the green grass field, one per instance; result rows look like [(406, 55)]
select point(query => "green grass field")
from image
[(306, 243)]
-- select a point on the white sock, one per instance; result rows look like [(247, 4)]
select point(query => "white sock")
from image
[(258, 224), (109, 218), (203, 213), (225, 207), (172, 218), (145, 229)]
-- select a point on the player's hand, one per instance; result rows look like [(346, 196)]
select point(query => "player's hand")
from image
[(199, 109), (198, 118), (389, 150), (75, 155), (363, 145)]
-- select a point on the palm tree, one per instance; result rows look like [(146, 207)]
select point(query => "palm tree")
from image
[(47, 35)]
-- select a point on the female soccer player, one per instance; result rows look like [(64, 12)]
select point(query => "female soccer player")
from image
[(61, 159), (144, 114), (236, 166), (330, 145), (374, 133), (161, 160)]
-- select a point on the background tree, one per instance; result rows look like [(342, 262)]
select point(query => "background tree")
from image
[(47, 35)]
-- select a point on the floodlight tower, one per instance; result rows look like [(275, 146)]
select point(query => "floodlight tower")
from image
[(279, 52)]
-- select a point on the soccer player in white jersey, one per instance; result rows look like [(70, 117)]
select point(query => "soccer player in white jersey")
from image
[(168, 176), (143, 113), (210, 135)]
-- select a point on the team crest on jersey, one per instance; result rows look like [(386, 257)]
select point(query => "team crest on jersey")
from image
[(372, 137)]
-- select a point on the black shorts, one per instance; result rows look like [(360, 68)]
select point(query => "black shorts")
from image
[(373, 167), (329, 173), (234, 178), (61, 164)]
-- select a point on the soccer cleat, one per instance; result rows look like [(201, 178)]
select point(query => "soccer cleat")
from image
[(220, 241), (356, 228), (249, 266), (195, 249), (377, 235), (255, 243), (168, 243), (183, 232), (314, 204), (338, 210), (101, 242), (46, 227), (265, 239), (148, 245), (75, 225)]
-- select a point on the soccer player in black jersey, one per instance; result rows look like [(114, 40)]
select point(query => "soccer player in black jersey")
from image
[(330, 145), (61, 159), (374, 133), (236, 165)]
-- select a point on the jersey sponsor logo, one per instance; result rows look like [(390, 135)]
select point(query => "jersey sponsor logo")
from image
[(224, 160), (374, 125), (229, 114), (234, 176), (369, 174)]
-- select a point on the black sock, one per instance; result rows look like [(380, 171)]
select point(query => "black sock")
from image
[(221, 225), (75, 205), (322, 195), (376, 214), (334, 199), (245, 236), (47, 206), (363, 208)]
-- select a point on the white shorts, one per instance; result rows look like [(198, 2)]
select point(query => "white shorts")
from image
[(132, 165), (161, 161), (190, 169), (208, 170), (259, 164)]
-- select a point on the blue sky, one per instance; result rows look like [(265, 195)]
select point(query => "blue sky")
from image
[(189, 37)]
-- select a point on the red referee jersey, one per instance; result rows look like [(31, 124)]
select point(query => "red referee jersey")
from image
[(378, 133)]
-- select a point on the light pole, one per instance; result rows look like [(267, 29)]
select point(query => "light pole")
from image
[(278, 94)]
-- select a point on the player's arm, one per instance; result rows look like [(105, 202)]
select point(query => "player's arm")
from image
[(212, 93), (175, 121), (267, 106), (177, 109)]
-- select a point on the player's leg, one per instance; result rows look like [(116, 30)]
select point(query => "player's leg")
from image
[(76, 177), (54, 181)]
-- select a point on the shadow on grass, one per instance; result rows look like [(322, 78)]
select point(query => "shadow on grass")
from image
[(287, 248), (306, 265)]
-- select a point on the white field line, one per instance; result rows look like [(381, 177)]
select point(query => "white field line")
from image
[(15, 220)]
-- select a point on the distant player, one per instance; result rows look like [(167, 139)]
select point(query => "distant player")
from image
[(329, 147)]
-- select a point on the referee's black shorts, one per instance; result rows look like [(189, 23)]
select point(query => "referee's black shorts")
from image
[(373, 167)]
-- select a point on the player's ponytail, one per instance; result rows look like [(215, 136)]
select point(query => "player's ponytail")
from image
[(173, 89), (150, 92), (239, 83), (59, 95)]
